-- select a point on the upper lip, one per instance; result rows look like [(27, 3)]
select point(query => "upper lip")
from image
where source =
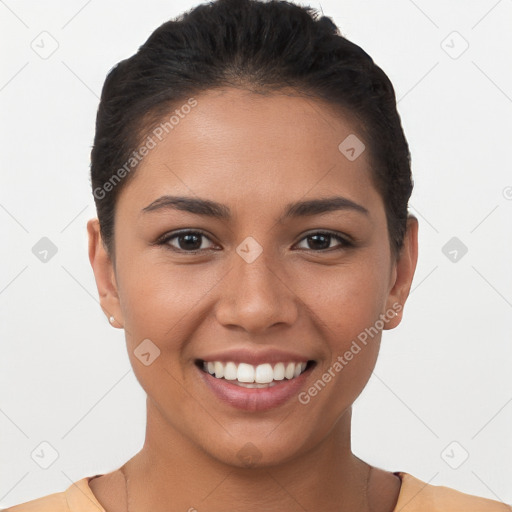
[(245, 355)]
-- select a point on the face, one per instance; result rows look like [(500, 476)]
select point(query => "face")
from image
[(264, 274)]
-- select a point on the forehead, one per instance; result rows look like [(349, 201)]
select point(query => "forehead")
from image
[(237, 144)]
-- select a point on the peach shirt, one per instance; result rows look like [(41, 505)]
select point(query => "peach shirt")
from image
[(415, 496)]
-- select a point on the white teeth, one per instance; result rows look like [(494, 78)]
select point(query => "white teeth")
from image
[(249, 375), (264, 374), (245, 373), (279, 371), (219, 369), (230, 372), (254, 384), (290, 371)]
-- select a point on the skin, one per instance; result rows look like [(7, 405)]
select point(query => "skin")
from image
[(254, 154)]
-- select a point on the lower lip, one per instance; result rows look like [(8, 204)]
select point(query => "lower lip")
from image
[(255, 399)]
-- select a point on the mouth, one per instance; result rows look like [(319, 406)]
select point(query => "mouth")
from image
[(254, 387), (251, 376)]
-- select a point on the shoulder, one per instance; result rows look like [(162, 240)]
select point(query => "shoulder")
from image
[(418, 496), (78, 497), (51, 503)]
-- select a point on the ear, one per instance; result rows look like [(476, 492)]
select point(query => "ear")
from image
[(104, 274), (403, 273)]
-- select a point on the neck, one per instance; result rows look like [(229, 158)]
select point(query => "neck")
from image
[(170, 469)]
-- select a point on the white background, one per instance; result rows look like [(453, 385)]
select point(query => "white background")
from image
[(443, 375)]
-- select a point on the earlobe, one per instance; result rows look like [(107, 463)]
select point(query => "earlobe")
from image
[(104, 275), (403, 274)]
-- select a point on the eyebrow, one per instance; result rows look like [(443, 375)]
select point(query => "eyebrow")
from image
[(220, 211)]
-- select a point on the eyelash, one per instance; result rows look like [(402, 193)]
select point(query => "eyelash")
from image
[(165, 239)]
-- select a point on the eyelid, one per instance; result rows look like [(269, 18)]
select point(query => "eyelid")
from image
[(166, 237), (344, 240)]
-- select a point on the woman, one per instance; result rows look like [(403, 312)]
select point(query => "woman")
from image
[(251, 179)]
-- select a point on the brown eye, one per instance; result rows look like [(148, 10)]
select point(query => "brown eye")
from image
[(185, 241), (321, 241)]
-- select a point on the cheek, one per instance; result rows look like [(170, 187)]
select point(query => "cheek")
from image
[(163, 301), (345, 299), (346, 305)]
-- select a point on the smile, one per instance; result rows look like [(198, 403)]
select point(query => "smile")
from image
[(251, 376), (254, 387)]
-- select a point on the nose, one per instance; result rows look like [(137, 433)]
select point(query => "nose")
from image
[(256, 296)]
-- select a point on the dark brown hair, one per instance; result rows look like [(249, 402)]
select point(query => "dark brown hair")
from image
[(261, 46)]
